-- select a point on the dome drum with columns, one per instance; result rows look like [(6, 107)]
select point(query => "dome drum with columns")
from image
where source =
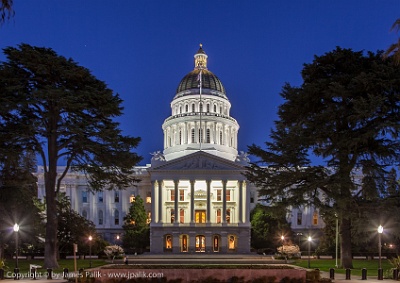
[(200, 117)]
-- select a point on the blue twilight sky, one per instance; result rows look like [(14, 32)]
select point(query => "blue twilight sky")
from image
[(143, 48)]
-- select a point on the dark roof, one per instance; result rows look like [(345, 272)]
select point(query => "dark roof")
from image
[(209, 81)]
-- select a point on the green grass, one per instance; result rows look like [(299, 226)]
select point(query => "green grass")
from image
[(358, 265)]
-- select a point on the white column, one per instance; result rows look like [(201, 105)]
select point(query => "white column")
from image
[(176, 207), (224, 201), (192, 182), (240, 195), (154, 202), (208, 182), (160, 202)]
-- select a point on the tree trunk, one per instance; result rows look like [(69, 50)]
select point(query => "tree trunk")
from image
[(345, 244), (50, 247)]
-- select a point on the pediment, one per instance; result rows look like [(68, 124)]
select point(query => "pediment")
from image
[(199, 161)]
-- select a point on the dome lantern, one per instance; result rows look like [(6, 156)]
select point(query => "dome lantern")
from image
[(200, 59)]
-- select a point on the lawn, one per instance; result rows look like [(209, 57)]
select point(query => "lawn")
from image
[(358, 264)]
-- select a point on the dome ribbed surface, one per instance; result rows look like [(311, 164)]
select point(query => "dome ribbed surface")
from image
[(209, 81)]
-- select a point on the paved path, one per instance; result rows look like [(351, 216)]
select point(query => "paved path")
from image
[(341, 278)]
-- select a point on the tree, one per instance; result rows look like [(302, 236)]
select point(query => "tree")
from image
[(72, 227), (394, 49), (268, 224), (59, 110), (137, 230), (346, 113), (6, 10), (17, 194)]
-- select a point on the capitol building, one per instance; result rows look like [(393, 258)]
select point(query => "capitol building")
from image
[(195, 193)]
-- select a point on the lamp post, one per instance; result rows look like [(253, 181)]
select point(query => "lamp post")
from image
[(309, 239), (282, 238), (117, 239), (380, 271), (16, 270), (90, 250)]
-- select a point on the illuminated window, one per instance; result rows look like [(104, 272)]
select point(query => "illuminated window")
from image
[(216, 243), (182, 216), (172, 215), (200, 243), (100, 217), (132, 198), (84, 196), (231, 242), (200, 216), (299, 218), (181, 195), (116, 196), (172, 195), (168, 242), (148, 197), (228, 216), (100, 196), (148, 220), (219, 195), (116, 217), (218, 218), (228, 195), (315, 218), (184, 243)]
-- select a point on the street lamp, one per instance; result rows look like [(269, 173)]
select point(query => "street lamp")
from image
[(309, 239), (90, 250), (16, 270), (380, 271), (282, 238), (117, 239)]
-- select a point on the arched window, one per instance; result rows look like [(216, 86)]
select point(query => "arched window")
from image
[(315, 218), (186, 108), (193, 137), (228, 216), (231, 242), (218, 216), (172, 215), (116, 217), (180, 109), (208, 136), (208, 107), (220, 109), (215, 108), (181, 216), (201, 107), (221, 141), (100, 217), (193, 108), (168, 242), (184, 243), (216, 241)]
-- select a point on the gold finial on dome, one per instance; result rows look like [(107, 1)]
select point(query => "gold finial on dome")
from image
[(201, 45)]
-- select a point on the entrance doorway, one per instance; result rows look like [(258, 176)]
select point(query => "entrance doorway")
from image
[(200, 244), (200, 216)]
